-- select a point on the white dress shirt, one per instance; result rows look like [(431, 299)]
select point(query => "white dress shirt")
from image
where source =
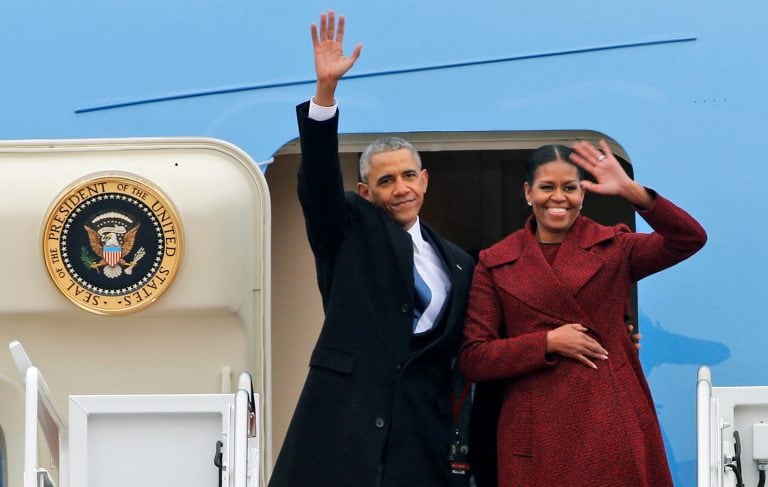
[(320, 113), (433, 271)]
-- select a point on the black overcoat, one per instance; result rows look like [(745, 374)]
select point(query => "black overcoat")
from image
[(373, 404)]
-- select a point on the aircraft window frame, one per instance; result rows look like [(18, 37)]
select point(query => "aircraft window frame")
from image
[(442, 141), (447, 199)]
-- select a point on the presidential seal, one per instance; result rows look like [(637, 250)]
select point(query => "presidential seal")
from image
[(112, 243)]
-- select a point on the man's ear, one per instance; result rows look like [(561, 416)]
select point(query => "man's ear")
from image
[(364, 191), (425, 176)]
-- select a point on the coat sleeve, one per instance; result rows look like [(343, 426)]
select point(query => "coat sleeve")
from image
[(320, 182), (676, 237), (486, 354)]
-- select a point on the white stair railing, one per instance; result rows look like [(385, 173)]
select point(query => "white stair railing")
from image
[(40, 409)]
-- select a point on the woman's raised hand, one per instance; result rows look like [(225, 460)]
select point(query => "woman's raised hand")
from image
[(611, 178), (602, 165)]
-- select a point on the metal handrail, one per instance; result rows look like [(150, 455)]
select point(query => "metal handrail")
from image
[(703, 427)]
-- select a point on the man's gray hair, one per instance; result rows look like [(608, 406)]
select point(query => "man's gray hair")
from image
[(384, 144)]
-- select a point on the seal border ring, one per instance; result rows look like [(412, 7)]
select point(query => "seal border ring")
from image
[(55, 269)]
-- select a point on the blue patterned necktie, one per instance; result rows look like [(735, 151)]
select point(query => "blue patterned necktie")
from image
[(422, 298)]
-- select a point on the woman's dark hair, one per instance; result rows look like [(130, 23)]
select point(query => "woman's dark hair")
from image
[(549, 153)]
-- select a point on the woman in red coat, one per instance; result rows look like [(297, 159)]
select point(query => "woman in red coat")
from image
[(546, 316)]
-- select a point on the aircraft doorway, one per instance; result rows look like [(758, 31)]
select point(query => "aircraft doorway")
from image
[(475, 198)]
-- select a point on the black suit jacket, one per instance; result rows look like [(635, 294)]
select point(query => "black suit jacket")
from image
[(374, 405)]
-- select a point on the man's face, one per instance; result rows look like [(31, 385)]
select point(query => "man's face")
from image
[(396, 185)]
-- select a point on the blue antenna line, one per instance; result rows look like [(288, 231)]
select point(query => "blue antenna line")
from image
[(237, 89)]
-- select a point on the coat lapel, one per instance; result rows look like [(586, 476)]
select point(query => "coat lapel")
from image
[(575, 265), (534, 281), (402, 245), (456, 273), (549, 289)]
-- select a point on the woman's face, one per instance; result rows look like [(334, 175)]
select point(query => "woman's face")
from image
[(556, 198)]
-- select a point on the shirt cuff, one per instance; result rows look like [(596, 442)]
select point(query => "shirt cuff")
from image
[(320, 113)]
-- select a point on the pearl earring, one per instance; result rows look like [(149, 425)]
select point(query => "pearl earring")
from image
[(530, 204)]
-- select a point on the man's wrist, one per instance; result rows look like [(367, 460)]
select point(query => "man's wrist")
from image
[(325, 92)]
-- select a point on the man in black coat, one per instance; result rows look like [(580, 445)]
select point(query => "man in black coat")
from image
[(376, 408)]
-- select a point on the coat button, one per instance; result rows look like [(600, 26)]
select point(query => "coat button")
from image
[(379, 422), (398, 366), (405, 308)]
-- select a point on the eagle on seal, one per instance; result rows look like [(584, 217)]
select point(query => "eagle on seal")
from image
[(111, 251)]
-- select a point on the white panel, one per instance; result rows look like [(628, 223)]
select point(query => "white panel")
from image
[(127, 441), (731, 409), (153, 449)]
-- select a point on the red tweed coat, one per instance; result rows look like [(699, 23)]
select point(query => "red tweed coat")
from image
[(563, 423)]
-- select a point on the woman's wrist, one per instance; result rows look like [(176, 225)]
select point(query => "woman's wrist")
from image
[(548, 346), (636, 194)]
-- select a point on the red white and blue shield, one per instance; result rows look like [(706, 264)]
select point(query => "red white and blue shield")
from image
[(113, 254)]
